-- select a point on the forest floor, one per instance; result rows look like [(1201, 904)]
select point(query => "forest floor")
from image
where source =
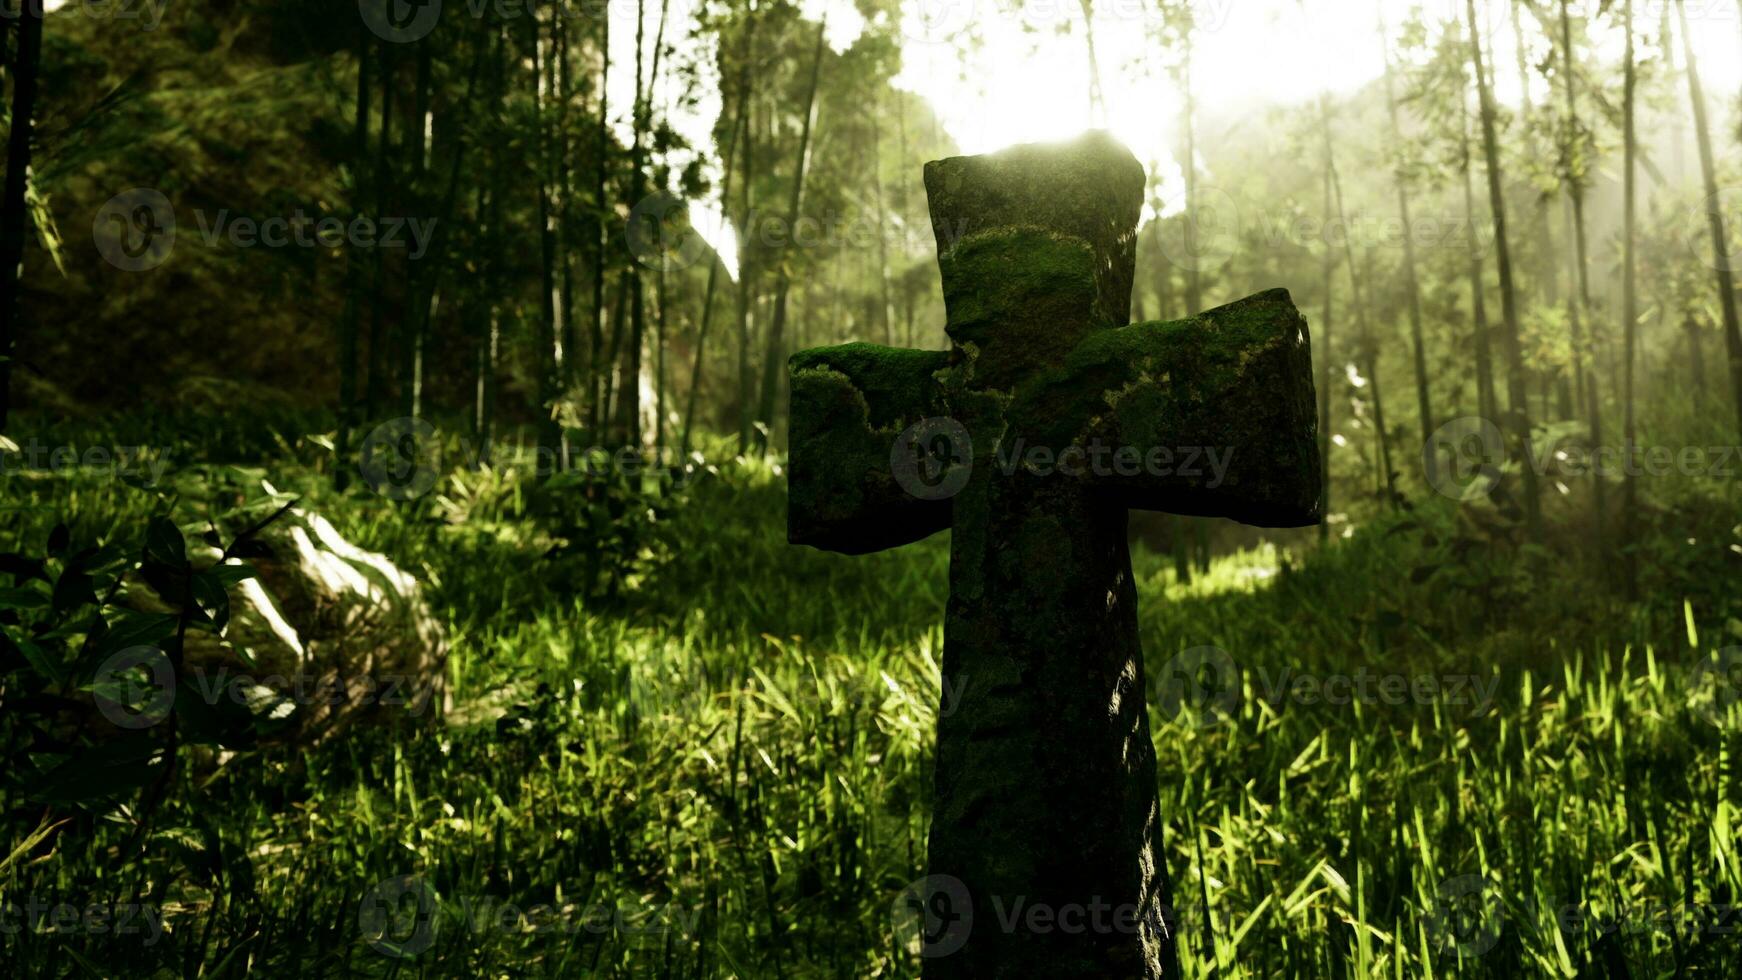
[(682, 747)]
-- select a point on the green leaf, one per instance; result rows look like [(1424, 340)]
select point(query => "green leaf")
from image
[(164, 544), (72, 591), (212, 599), (23, 598), (135, 629), (230, 575), (117, 767)]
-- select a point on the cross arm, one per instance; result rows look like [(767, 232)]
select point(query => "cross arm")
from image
[(850, 404), (1209, 416)]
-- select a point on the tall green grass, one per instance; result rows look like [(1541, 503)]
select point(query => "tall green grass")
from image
[(725, 770)]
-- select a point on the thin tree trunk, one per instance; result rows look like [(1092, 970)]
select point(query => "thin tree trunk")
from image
[(750, 241), (1486, 404), (1629, 306), (772, 375), (1194, 277), (1330, 267), (597, 375), (689, 415), (544, 361), (375, 382), (416, 129), (353, 274), (1424, 401), (882, 223), (429, 292), (1097, 103), (570, 339), (1519, 409), (1576, 195), (1725, 276)]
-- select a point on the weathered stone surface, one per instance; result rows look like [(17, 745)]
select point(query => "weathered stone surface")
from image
[(329, 635), (1045, 784), (1232, 383), (849, 404), (1089, 189)]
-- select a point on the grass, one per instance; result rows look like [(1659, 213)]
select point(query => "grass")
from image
[(723, 768)]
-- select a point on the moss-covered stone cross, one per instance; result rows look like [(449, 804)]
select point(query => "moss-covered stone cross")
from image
[(1047, 419)]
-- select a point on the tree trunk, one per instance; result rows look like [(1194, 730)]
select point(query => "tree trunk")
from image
[(1324, 345), (549, 457), (596, 380), (771, 372), (689, 415), (353, 274), (1423, 398), (1629, 309), (375, 383), (1519, 414), (1486, 404), (1725, 276), (749, 242)]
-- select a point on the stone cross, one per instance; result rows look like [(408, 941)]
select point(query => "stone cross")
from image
[(1030, 438)]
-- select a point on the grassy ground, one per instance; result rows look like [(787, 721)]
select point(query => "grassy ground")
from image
[(709, 756)]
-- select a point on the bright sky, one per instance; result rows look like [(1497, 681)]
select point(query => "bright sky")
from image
[(1027, 77)]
